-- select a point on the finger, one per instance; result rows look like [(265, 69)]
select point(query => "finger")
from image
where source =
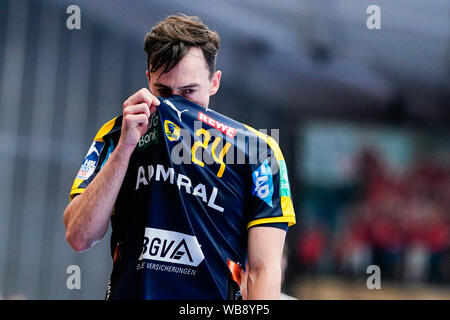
[(137, 109), (142, 96), (149, 95), (135, 120)]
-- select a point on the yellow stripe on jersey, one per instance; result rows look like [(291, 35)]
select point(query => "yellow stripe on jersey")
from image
[(75, 190), (269, 140), (287, 207), (288, 220), (104, 130)]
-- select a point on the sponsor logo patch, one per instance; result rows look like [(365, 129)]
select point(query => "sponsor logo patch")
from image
[(284, 181), (227, 130), (90, 161), (172, 130), (170, 246), (263, 183), (152, 135)]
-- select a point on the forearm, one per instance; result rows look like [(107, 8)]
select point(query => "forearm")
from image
[(87, 217), (265, 247), (264, 283)]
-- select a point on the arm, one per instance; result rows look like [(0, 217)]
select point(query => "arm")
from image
[(87, 216), (265, 248)]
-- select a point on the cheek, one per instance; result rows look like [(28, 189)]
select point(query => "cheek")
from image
[(153, 90), (201, 97)]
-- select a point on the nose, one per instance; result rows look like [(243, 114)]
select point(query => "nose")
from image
[(178, 92)]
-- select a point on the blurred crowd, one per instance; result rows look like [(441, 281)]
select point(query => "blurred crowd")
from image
[(400, 223)]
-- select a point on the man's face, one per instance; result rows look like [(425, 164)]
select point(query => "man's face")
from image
[(190, 79)]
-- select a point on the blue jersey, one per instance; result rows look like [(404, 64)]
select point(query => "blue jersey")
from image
[(196, 182)]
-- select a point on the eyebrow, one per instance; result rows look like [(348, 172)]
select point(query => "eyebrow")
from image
[(191, 85)]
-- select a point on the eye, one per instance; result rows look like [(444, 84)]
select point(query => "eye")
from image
[(188, 91), (164, 92)]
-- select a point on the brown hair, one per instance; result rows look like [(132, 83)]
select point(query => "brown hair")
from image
[(169, 41)]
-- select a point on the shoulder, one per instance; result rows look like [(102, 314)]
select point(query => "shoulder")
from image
[(267, 139), (110, 128)]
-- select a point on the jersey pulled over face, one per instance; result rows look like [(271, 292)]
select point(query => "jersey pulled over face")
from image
[(196, 182)]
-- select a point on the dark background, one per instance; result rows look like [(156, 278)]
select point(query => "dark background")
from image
[(363, 118)]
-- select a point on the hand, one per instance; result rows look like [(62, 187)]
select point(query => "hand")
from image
[(136, 113)]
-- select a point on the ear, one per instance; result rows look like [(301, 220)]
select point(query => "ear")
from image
[(215, 82)]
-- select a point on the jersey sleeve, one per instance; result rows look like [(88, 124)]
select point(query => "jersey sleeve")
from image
[(94, 160), (270, 197)]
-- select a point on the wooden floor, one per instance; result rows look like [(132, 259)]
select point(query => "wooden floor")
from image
[(338, 289)]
